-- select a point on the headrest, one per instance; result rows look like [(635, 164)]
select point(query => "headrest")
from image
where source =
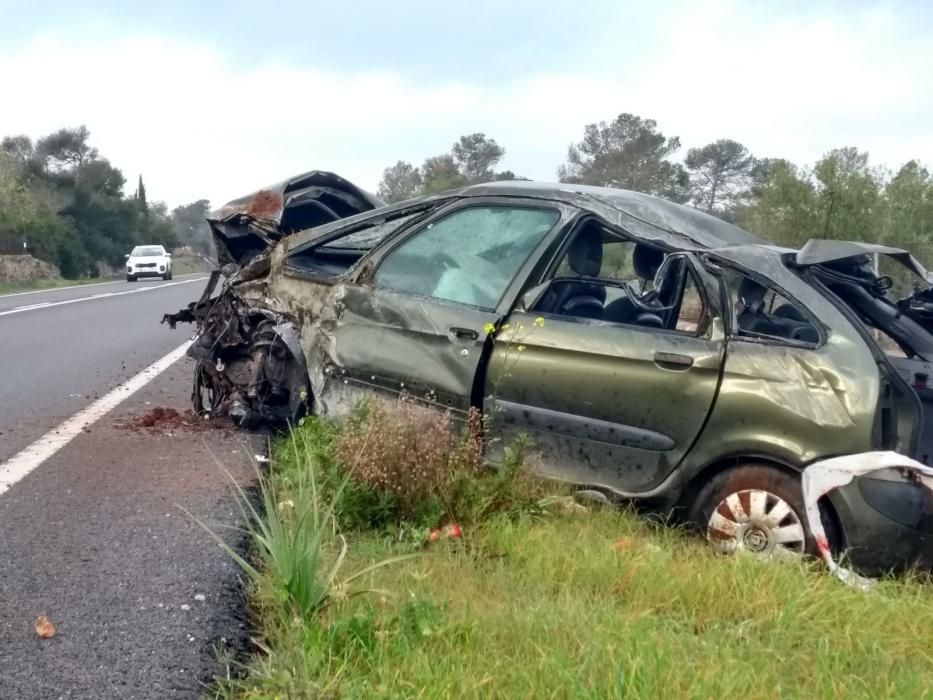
[(586, 252), (752, 294), (646, 261)]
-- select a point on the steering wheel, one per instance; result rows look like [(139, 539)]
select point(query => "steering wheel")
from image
[(639, 304)]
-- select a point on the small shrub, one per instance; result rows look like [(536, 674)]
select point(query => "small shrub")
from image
[(410, 471), (409, 454)]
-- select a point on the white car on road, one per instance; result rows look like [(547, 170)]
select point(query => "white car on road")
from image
[(148, 261)]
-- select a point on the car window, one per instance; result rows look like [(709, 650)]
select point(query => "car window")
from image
[(761, 311), (369, 237), (470, 256), (145, 251), (692, 316)]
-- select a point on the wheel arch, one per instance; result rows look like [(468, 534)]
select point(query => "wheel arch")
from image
[(703, 476)]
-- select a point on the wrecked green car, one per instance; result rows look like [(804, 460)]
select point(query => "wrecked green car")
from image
[(649, 351)]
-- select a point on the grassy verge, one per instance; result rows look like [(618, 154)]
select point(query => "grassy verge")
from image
[(537, 600), (13, 287)]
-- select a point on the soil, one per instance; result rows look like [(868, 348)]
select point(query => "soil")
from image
[(162, 419)]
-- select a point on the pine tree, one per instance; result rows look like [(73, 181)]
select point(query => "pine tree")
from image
[(141, 197)]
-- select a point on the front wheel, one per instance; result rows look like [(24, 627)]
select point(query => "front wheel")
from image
[(755, 508), (130, 278)]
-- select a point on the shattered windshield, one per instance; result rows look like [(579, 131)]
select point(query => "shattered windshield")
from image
[(469, 256), (369, 237)]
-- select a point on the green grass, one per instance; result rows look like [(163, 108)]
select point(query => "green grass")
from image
[(594, 604), (13, 287)]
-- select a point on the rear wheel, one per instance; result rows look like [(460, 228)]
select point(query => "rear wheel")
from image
[(755, 508)]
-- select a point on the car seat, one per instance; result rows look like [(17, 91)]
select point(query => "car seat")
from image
[(577, 297)]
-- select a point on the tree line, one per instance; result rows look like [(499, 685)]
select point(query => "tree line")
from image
[(66, 201), (840, 196), (63, 202)]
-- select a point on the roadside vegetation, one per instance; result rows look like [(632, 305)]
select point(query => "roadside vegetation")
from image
[(47, 283), (68, 203), (63, 202), (388, 563)]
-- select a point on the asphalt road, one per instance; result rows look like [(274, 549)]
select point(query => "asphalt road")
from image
[(56, 358), (145, 604)]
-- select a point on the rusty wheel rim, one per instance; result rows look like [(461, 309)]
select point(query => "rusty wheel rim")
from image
[(757, 522)]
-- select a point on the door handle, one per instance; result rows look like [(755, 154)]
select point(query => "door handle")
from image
[(463, 333), (673, 360)]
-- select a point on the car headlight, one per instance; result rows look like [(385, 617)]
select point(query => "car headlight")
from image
[(899, 497)]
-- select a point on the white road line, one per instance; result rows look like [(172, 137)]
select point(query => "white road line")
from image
[(72, 286), (104, 295), (31, 457)]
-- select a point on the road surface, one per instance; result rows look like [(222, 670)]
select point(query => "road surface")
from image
[(91, 533)]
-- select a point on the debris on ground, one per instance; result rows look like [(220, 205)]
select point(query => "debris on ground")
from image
[(44, 627), (162, 418), (452, 531)]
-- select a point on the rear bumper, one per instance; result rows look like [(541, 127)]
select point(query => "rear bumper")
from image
[(874, 543)]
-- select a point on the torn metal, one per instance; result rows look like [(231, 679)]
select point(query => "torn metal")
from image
[(251, 224)]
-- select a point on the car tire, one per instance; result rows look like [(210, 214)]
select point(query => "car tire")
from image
[(167, 276), (757, 509), (130, 278)]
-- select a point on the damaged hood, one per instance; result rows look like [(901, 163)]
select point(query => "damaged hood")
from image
[(823, 252), (248, 225)]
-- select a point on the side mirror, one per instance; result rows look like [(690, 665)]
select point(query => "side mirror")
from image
[(531, 298), (127, 256), (169, 254)]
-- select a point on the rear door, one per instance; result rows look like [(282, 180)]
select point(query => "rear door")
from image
[(416, 320), (610, 404)]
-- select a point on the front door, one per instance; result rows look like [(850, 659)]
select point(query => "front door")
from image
[(611, 404), (418, 324)]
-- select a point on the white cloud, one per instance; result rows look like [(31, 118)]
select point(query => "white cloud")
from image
[(197, 123)]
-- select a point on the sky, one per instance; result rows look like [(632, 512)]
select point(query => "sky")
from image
[(217, 99)]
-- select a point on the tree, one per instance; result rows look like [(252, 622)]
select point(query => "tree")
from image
[(475, 157), (66, 149), (157, 226), (781, 204), (440, 173), (848, 195), (191, 228), (19, 148), (907, 219), (141, 197), (720, 174), (400, 182), (628, 153)]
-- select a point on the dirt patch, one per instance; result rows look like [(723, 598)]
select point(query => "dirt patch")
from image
[(162, 419)]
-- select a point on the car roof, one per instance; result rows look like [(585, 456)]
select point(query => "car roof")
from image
[(657, 213)]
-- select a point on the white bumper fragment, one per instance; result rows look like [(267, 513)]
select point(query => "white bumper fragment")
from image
[(824, 476)]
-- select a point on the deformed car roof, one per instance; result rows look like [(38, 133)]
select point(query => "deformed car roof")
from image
[(657, 213)]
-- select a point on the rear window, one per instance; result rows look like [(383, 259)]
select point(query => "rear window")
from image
[(762, 312)]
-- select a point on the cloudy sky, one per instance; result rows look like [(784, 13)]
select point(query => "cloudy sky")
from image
[(215, 99)]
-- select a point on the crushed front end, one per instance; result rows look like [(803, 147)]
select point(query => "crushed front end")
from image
[(250, 366)]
